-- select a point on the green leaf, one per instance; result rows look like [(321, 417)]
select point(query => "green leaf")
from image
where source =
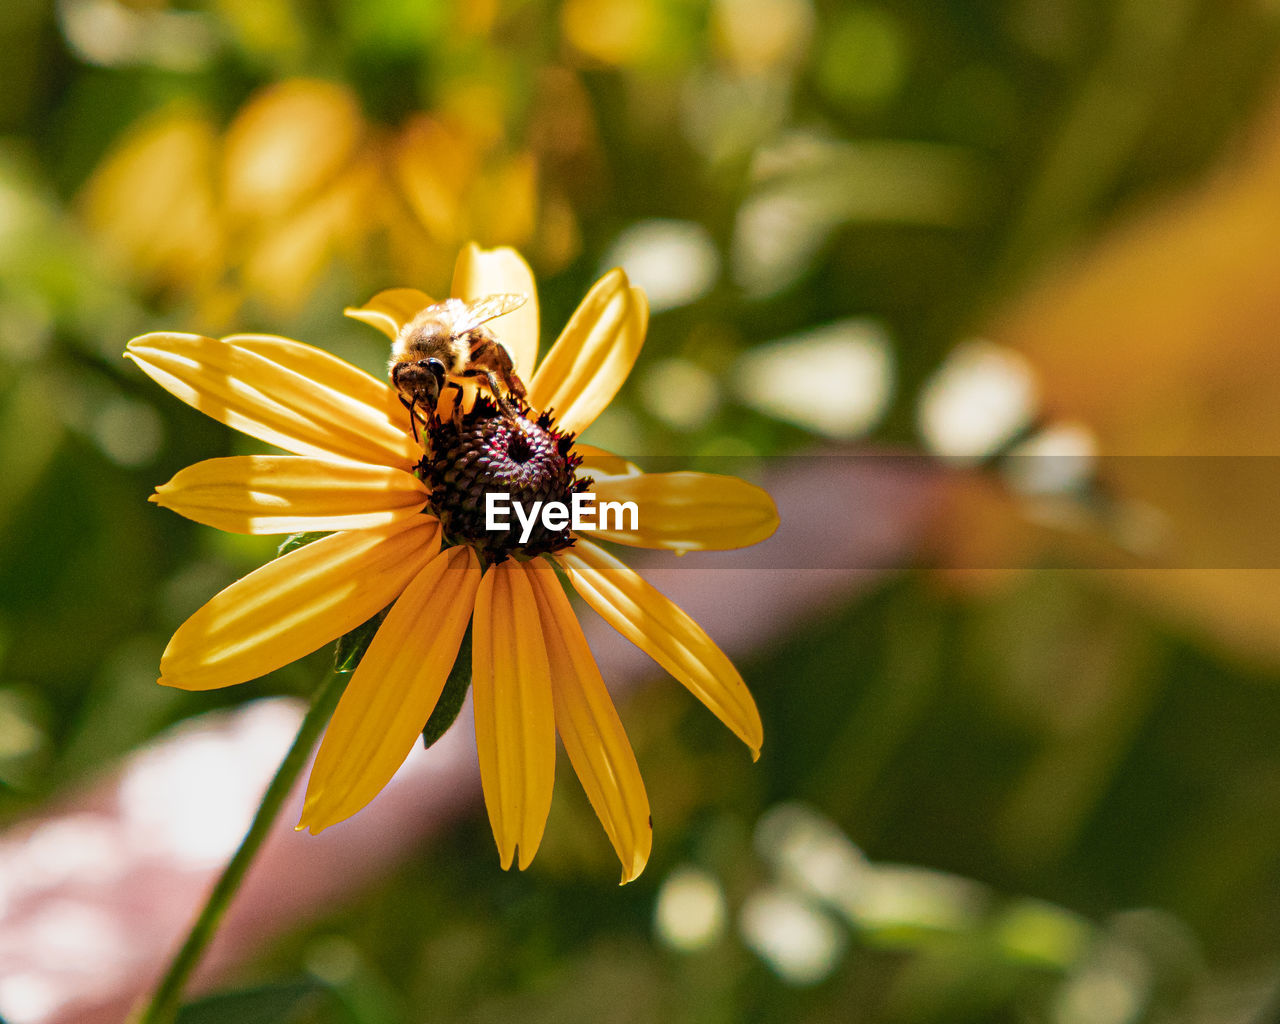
[(351, 646), (454, 693), (269, 1004), (297, 540)]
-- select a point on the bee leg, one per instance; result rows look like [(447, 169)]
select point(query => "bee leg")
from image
[(515, 385), (502, 399), (496, 389), (454, 386)]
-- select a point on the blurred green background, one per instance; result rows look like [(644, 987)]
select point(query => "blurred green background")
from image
[(1067, 783)]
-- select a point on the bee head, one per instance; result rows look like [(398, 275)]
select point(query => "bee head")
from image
[(420, 381)]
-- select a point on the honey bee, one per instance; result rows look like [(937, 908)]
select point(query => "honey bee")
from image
[(448, 343)]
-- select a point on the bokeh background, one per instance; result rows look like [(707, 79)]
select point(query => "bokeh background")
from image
[(1014, 263)]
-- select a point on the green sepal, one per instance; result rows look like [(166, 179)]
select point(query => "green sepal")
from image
[(297, 540), (351, 646), (451, 698)]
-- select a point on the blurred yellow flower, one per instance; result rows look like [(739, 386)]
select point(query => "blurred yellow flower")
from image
[(400, 539), (614, 32), (300, 179), (153, 202)]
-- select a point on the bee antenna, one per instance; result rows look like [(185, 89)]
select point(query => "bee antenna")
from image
[(412, 405)]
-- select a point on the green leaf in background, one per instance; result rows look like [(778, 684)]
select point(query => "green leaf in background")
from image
[(454, 693), (270, 1004), (297, 540)]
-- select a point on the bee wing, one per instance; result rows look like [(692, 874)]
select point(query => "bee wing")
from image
[(473, 314)]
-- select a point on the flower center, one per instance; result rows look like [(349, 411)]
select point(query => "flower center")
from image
[(530, 461)]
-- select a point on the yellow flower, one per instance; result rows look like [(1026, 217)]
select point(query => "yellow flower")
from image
[(301, 178), (357, 470)]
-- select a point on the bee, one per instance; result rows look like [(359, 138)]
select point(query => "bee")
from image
[(448, 343)]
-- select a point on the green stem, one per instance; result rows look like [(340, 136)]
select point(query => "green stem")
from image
[(167, 998)]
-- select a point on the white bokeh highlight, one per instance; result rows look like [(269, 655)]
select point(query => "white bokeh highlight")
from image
[(680, 393), (835, 380), (801, 943), (690, 913), (675, 261), (979, 399)]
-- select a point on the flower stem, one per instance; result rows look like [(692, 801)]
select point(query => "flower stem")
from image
[(163, 1006)]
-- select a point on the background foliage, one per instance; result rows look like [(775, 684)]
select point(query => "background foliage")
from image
[(1066, 782)]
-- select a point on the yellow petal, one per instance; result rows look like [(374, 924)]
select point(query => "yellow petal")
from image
[(590, 728), (598, 463), (327, 370), (297, 603), (593, 355), (393, 691), (687, 511), (291, 493), (282, 392), (480, 272), (391, 309), (515, 724), (666, 633)]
